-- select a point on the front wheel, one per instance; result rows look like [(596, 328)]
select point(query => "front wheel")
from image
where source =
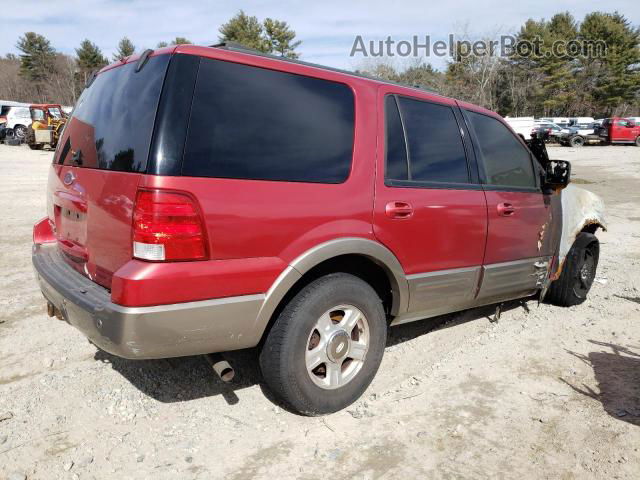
[(638, 141), (20, 131), (326, 346), (578, 272)]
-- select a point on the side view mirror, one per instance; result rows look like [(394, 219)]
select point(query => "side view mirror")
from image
[(557, 174), (631, 125)]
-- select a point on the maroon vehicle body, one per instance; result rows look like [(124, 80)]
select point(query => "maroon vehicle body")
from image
[(150, 258)]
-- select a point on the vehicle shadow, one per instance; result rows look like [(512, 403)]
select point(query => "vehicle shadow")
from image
[(189, 378), (617, 371)]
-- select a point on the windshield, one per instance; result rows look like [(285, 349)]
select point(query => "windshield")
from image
[(55, 112), (37, 114), (112, 123)]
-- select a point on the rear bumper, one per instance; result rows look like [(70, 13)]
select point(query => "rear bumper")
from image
[(162, 331)]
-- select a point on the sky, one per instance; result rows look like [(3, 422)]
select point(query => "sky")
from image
[(327, 29)]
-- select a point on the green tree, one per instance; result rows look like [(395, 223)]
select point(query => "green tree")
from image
[(175, 41), (271, 36), (37, 58), (246, 30), (89, 59), (126, 48), (615, 76), (181, 41), (280, 38)]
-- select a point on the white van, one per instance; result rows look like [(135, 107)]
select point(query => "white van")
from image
[(581, 121), (560, 121), (523, 126)]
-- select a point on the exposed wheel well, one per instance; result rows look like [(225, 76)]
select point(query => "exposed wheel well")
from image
[(360, 266), (591, 228)]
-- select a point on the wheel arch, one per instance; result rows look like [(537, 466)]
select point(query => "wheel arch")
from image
[(336, 255), (582, 211)]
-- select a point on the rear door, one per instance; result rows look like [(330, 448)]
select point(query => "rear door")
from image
[(518, 246), (429, 208), (98, 165)]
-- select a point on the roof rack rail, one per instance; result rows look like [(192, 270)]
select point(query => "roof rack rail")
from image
[(238, 47)]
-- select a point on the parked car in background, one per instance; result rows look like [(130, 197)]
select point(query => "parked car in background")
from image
[(581, 121), (314, 210), (523, 126), (18, 119), (620, 130), (560, 121), (553, 130), (578, 135)]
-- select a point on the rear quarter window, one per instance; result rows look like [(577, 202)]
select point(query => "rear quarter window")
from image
[(253, 123)]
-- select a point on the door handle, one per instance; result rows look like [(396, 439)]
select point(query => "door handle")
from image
[(506, 209), (398, 210)]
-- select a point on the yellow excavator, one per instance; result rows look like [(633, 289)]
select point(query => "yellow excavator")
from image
[(47, 122)]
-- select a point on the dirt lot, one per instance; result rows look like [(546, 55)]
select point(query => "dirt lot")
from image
[(543, 393)]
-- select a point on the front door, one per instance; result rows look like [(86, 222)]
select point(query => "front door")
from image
[(520, 219), (430, 210), (623, 131)]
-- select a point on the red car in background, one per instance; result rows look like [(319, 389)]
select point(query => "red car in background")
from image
[(620, 130)]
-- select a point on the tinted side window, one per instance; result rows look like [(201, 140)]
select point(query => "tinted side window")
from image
[(255, 123), (436, 152), (506, 161), (396, 155)]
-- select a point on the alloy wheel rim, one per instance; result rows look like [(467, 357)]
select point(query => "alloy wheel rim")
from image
[(337, 346)]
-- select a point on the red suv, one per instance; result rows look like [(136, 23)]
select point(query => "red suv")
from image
[(207, 199)]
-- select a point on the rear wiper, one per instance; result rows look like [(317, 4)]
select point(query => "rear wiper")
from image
[(143, 59)]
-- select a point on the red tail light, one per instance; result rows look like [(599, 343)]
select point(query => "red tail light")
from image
[(167, 226)]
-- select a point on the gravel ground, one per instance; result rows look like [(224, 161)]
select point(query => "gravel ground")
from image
[(545, 392)]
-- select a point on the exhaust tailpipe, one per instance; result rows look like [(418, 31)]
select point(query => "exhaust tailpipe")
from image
[(52, 311), (220, 366)]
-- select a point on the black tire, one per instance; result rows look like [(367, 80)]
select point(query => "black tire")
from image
[(20, 131), (36, 146), (576, 141), (638, 141), (578, 272), (282, 359)]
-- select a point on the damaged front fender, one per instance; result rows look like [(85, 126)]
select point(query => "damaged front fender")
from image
[(582, 210)]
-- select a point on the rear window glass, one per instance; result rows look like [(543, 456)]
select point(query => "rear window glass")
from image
[(436, 152), (254, 123), (112, 123)]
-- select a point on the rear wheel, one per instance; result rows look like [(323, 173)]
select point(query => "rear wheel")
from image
[(578, 272), (576, 141), (326, 345)]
